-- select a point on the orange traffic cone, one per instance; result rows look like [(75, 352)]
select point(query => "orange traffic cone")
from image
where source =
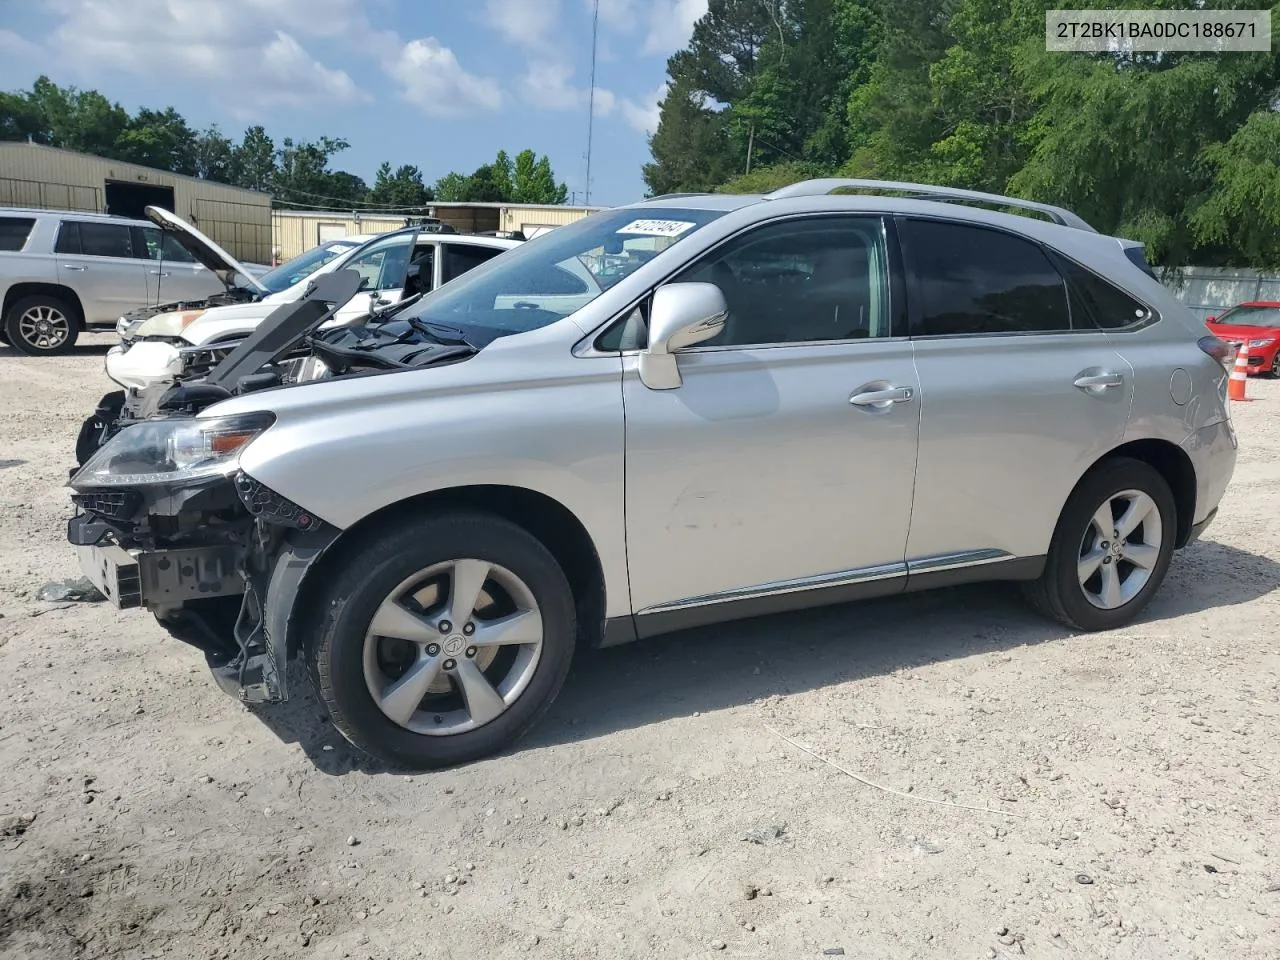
[(1239, 374)]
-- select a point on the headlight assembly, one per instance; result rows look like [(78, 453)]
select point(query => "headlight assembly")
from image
[(1265, 342), (171, 451)]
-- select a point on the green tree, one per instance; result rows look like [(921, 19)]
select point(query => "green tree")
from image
[(81, 120), (534, 182), (160, 139), (403, 188), (20, 119), (253, 161), (214, 156), (451, 187)]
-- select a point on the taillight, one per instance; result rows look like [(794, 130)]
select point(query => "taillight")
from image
[(1220, 350)]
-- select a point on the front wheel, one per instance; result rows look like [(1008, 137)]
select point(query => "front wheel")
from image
[(1111, 549), (443, 641)]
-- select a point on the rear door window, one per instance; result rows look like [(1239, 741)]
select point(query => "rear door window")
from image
[(461, 257), (1096, 303), (14, 232), (68, 237), (974, 280), (105, 240)]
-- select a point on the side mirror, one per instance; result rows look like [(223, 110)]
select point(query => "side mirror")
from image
[(682, 315), (1210, 319)]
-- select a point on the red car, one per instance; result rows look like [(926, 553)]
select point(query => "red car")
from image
[(1257, 323)]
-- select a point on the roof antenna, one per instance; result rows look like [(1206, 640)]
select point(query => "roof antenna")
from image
[(591, 96)]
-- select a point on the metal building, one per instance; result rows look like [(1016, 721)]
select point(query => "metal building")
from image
[(296, 231), (48, 178)]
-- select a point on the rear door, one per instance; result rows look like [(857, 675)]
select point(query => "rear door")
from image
[(172, 272), (1019, 394), (97, 260)]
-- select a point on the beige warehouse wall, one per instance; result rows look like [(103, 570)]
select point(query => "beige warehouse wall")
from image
[(293, 234), (51, 179)]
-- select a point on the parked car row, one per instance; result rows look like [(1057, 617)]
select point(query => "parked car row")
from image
[(674, 413)]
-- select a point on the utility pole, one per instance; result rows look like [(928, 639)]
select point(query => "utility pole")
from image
[(591, 96), (751, 140)]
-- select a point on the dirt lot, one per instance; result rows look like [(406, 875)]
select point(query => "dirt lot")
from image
[(1125, 783)]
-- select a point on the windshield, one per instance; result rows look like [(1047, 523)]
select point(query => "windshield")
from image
[(1251, 317), (287, 274), (558, 273)]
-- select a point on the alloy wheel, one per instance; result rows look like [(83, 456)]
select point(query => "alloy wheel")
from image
[(1120, 549), (44, 327), (452, 647)]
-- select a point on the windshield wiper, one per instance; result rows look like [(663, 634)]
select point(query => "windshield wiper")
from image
[(442, 332)]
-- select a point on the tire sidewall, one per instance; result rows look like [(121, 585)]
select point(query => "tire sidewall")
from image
[(11, 329), (438, 540), (1110, 479)]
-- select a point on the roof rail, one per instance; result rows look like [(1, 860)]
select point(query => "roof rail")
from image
[(828, 185), (676, 196)]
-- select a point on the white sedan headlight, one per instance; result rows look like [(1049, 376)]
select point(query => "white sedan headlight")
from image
[(169, 324)]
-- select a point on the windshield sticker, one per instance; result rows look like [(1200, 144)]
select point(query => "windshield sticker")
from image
[(658, 228)]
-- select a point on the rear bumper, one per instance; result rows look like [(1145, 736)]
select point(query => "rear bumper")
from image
[(1212, 450)]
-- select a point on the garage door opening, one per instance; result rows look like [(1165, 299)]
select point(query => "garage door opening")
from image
[(129, 199)]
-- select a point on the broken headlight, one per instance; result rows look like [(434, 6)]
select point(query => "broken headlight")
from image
[(171, 451)]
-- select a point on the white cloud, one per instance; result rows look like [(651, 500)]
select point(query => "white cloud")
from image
[(13, 45), (526, 23), (616, 14), (643, 114), (671, 25), (434, 80), (546, 84), (246, 51)]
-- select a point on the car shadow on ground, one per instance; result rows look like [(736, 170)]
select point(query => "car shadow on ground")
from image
[(712, 668), (79, 350)]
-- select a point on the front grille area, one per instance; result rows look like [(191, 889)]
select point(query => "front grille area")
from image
[(116, 505)]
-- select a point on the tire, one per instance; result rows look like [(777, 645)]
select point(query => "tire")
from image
[(407, 578), (41, 326), (1108, 597)]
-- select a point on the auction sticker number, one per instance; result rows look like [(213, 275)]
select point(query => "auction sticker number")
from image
[(657, 228)]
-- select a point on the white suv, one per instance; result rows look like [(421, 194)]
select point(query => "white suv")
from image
[(63, 272)]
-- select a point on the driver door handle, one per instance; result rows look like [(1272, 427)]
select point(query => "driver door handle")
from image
[(872, 398), (1099, 381)]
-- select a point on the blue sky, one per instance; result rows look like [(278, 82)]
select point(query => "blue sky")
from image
[(443, 84)]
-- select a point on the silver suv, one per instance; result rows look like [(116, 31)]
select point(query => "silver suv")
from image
[(62, 273), (767, 403)]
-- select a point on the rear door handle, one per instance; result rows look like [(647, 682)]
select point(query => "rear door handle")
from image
[(1099, 381), (875, 398)]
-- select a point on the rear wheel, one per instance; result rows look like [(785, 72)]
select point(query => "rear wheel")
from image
[(41, 325), (1111, 549), (444, 641)]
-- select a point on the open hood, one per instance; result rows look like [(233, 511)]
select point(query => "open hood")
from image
[(285, 327), (225, 266)]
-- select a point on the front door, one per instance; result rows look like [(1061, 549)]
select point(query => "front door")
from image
[(785, 461), (1019, 394), (172, 272)]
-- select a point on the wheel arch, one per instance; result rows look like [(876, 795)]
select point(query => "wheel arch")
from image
[(1173, 464), (32, 289), (547, 519)]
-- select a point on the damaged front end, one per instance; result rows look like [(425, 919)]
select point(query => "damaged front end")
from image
[(167, 520)]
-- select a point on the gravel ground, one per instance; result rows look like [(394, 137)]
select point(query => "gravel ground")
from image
[(1023, 791)]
